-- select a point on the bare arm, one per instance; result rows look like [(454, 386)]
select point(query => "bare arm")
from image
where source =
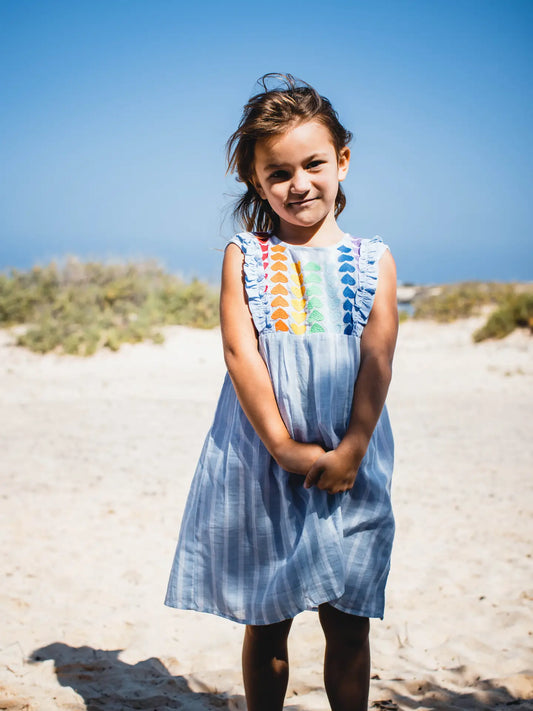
[(249, 373), (336, 470)]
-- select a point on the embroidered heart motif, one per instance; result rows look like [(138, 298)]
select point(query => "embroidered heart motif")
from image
[(314, 303), (313, 278), (315, 316), (317, 328), (279, 313), (280, 301), (279, 277), (298, 329)]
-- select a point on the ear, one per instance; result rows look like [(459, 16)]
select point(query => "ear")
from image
[(343, 163)]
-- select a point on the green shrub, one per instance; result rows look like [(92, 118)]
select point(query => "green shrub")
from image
[(516, 311), (512, 305), (403, 315), (452, 301), (82, 307)]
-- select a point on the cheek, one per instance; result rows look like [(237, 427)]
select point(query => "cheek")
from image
[(275, 194)]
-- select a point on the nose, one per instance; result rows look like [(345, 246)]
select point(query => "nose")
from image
[(300, 182)]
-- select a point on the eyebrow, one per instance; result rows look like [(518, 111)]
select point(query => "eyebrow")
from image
[(277, 166)]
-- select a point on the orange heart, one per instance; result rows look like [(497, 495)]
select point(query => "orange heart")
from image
[(279, 277), (279, 301)]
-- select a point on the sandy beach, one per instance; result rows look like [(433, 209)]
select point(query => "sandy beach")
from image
[(97, 456)]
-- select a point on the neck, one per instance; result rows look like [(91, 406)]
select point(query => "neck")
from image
[(321, 234)]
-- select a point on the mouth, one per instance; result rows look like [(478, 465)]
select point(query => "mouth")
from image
[(299, 203)]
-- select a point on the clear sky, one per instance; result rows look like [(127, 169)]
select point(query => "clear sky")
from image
[(114, 115)]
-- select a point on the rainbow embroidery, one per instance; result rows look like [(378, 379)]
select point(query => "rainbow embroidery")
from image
[(306, 296)]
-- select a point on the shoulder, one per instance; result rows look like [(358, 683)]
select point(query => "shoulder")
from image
[(248, 241), (378, 260), (374, 247)]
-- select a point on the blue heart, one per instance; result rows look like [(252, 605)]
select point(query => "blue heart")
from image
[(347, 279), (348, 293), (347, 268)]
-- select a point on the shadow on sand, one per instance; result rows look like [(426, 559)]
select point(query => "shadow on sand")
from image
[(106, 683), (479, 695)]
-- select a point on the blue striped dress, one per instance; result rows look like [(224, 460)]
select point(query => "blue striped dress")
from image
[(255, 546)]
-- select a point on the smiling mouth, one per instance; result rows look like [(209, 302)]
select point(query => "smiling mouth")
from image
[(301, 202)]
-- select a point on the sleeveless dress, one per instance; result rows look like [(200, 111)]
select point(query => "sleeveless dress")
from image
[(255, 546)]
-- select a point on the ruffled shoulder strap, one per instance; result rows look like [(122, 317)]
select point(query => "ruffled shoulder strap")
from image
[(370, 252), (254, 276)]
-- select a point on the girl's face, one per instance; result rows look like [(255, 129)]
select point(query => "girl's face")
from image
[(298, 172)]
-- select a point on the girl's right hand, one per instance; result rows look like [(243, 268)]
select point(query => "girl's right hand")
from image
[(297, 457)]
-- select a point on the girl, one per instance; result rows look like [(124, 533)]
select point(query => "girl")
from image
[(289, 509)]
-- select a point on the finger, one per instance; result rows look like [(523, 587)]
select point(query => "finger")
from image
[(313, 476)]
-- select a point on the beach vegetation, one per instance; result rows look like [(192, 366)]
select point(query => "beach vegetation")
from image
[(449, 302), (403, 315), (507, 305), (80, 307), (515, 312)]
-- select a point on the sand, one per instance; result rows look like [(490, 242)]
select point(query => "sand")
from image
[(97, 456)]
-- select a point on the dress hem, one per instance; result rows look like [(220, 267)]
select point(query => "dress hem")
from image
[(256, 622)]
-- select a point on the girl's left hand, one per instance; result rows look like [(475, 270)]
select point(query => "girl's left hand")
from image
[(332, 472)]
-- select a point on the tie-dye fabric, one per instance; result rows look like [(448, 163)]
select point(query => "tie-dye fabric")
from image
[(255, 546)]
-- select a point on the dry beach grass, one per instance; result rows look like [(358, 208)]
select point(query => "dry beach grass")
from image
[(97, 457)]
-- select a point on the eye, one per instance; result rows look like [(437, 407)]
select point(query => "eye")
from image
[(279, 175), (315, 164)]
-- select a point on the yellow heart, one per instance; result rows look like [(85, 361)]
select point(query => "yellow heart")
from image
[(298, 330)]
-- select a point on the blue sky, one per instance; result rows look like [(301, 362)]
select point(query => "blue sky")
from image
[(115, 114)]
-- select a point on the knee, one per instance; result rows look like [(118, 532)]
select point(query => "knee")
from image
[(270, 636), (342, 628)]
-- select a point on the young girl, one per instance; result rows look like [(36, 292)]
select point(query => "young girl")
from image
[(289, 509)]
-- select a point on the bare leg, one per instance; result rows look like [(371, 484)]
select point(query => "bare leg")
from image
[(347, 659), (265, 665)]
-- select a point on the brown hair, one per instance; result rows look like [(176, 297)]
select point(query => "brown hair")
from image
[(267, 114)]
